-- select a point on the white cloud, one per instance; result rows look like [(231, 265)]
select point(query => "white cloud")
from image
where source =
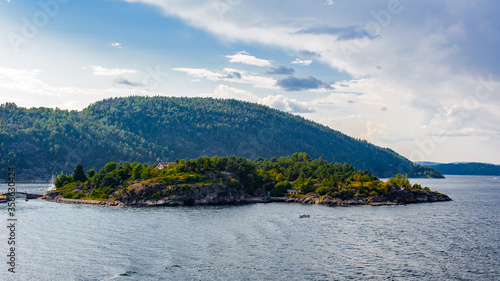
[(24, 80), (472, 132), (101, 71), (246, 58), (116, 45), (200, 73), (302, 62), (226, 92), (375, 131), (27, 88), (283, 103), (231, 75)]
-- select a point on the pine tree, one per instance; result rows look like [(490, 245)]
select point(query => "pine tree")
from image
[(79, 174)]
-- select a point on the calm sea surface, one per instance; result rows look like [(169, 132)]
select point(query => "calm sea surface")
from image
[(457, 240)]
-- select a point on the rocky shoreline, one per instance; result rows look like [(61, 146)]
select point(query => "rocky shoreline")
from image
[(395, 197)]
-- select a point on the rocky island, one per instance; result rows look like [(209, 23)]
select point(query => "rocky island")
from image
[(236, 180)]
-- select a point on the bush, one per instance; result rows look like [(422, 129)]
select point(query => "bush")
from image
[(68, 194), (373, 193), (280, 189), (322, 190), (70, 186), (78, 195)]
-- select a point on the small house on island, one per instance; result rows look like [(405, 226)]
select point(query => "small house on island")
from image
[(293, 191), (163, 165)]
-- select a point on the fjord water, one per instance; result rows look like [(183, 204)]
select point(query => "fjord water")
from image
[(457, 240)]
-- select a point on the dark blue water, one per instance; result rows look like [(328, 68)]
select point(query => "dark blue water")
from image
[(457, 240)]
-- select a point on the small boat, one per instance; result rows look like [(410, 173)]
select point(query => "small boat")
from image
[(304, 215), (52, 186)]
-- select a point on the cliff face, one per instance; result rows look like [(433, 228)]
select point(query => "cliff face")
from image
[(163, 195), (191, 195)]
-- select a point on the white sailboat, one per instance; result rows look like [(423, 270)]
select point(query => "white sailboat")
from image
[(52, 185)]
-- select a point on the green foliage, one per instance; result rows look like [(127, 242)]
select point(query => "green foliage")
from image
[(79, 174), (68, 195), (150, 129), (78, 195), (304, 185), (469, 169), (280, 189), (137, 171), (322, 190), (146, 172), (59, 181), (91, 173), (110, 167), (400, 180), (298, 171)]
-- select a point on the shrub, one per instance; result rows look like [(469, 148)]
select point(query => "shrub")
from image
[(68, 194), (322, 190), (78, 195), (373, 193)]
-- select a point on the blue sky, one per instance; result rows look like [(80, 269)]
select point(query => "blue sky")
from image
[(419, 77)]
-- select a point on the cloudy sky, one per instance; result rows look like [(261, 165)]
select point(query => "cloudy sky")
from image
[(420, 77)]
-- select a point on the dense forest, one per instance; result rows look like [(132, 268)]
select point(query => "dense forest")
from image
[(276, 175), (42, 141), (480, 169)]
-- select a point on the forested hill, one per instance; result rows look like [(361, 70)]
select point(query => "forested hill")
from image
[(472, 168), (39, 141)]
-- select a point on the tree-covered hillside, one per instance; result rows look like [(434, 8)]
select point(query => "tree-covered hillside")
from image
[(42, 141), (480, 169)]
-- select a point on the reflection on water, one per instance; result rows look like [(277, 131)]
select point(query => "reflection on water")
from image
[(447, 240)]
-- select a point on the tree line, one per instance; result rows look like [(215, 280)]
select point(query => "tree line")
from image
[(274, 175)]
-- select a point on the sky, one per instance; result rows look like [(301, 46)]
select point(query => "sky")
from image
[(419, 77)]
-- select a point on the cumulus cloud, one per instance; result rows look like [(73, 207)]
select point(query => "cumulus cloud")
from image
[(246, 58), (121, 80), (101, 71), (302, 62), (283, 103), (226, 92), (292, 83), (375, 131), (281, 70)]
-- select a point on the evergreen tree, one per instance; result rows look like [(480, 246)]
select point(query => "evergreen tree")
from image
[(79, 174)]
